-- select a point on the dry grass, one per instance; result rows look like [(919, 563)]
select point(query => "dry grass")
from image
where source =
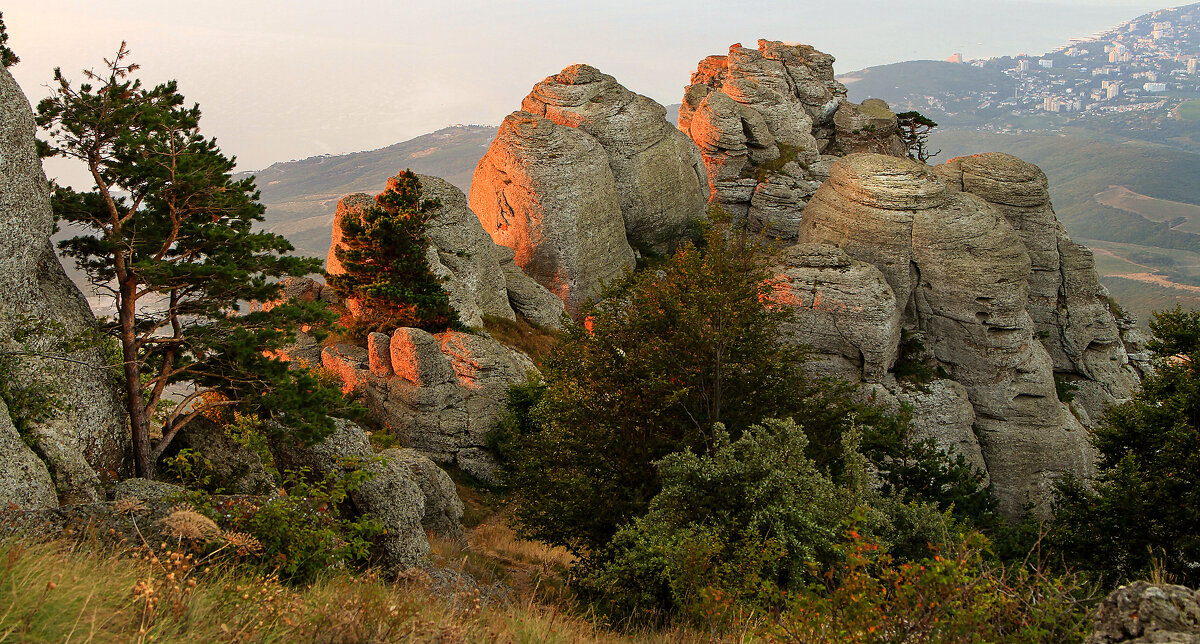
[(60, 592), (535, 341)]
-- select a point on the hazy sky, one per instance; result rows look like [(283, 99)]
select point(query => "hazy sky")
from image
[(281, 80)]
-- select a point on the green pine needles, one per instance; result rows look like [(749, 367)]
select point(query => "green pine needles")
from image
[(7, 57), (385, 275), (168, 234)]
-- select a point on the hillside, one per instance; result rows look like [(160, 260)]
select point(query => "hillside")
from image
[(301, 195), (908, 86)]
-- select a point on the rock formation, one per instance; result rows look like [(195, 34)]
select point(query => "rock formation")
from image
[(478, 275), (1066, 301), (962, 285), (24, 481), (844, 311), (584, 174), (391, 495), (659, 174), (88, 433), (769, 122), (439, 393), (546, 191), (1145, 613)]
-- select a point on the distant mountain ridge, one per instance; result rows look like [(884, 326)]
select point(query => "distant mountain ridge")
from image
[(301, 196)]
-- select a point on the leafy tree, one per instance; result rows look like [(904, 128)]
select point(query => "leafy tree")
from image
[(1144, 509), (914, 131), (382, 253), (167, 233), (7, 57), (664, 357)]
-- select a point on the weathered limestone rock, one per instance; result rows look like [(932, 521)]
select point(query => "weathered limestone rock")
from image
[(973, 290), (960, 274), (547, 191), (90, 432), (942, 411), (350, 205), (867, 208), (763, 118), (464, 256), (1145, 613), (870, 127), (445, 391), (443, 508), (1066, 300), (527, 297), (843, 309), (390, 496), (659, 174), (24, 480)]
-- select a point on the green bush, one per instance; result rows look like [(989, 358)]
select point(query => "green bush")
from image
[(739, 528), (1142, 512), (302, 534)]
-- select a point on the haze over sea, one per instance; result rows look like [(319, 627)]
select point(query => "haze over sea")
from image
[(284, 80)]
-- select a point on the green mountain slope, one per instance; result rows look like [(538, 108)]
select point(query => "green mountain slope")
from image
[(301, 196), (906, 85)]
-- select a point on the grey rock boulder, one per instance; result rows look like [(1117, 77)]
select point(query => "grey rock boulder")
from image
[(89, 433), (764, 121), (390, 495), (443, 507), (445, 391), (961, 278), (547, 191), (1066, 301), (660, 177), (1146, 613), (842, 309), (24, 479)]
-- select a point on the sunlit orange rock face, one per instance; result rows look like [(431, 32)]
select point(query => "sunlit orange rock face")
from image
[(439, 393), (660, 176), (547, 191), (769, 122)]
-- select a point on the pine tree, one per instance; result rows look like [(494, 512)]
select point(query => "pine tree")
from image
[(167, 233), (7, 57), (385, 273)]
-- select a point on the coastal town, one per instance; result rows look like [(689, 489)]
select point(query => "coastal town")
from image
[(1147, 66)]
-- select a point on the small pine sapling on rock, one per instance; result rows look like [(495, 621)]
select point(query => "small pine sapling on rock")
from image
[(384, 276)]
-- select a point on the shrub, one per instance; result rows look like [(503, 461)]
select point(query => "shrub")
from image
[(735, 530), (953, 597), (1143, 508)]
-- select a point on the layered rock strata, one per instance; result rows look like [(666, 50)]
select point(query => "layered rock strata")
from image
[(88, 434), (479, 276), (769, 122), (439, 394), (547, 191), (1066, 301), (659, 174), (960, 277)]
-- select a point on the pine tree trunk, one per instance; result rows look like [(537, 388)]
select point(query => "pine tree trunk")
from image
[(139, 422)]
